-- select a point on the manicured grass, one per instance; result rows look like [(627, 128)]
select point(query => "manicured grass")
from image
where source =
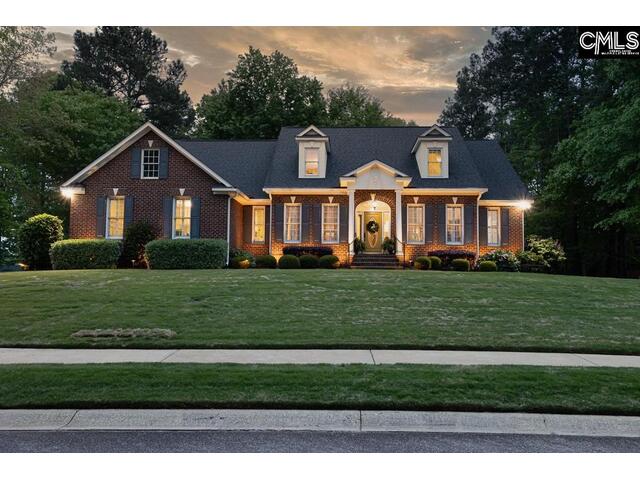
[(503, 388), (323, 308)]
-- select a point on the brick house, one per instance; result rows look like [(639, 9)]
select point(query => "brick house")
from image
[(426, 188)]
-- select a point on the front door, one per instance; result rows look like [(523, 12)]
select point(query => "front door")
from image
[(373, 231)]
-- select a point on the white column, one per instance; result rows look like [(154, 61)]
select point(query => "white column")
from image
[(399, 219), (352, 218)]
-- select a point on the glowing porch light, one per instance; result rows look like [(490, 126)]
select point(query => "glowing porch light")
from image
[(524, 204), (67, 192)]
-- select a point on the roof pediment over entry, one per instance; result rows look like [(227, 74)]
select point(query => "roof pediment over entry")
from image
[(375, 175)]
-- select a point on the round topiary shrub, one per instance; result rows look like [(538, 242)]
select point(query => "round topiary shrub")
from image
[(309, 261), (288, 261), (460, 265), (488, 266), (35, 238), (266, 261), (240, 261), (436, 263), (422, 263), (329, 261)]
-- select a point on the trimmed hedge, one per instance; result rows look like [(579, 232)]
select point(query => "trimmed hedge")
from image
[(77, 254), (266, 261), (329, 261), (487, 266), (460, 265), (35, 237), (299, 251), (309, 261), (422, 263), (289, 261), (448, 256), (188, 254), (436, 263)]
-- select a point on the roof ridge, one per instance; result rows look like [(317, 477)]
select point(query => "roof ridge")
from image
[(226, 139)]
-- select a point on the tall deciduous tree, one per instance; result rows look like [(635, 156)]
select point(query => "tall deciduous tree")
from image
[(131, 64), (354, 106)]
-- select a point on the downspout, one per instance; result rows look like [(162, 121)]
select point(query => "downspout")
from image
[(270, 222), (478, 227), (228, 226)]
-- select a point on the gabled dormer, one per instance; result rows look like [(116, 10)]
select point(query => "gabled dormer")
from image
[(432, 153), (313, 147)]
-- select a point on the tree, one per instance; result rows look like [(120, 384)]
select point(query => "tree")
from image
[(20, 48), (353, 106), (259, 96), (131, 64)]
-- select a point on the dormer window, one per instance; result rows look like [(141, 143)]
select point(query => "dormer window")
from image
[(434, 159), (311, 161)]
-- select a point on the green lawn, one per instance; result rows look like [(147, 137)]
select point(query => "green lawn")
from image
[(324, 308), (504, 388)]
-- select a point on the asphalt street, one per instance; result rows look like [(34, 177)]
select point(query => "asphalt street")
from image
[(291, 441)]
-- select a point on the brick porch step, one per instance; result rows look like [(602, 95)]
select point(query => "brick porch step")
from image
[(378, 260)]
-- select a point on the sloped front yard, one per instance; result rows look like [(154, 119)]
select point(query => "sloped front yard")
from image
[(321, 308)]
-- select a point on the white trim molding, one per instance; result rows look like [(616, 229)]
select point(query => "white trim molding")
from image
[(305, 191), (522, 204), (444, 191)]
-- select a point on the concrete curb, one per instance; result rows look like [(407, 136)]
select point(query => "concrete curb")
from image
[(321, 420), (25, 356)]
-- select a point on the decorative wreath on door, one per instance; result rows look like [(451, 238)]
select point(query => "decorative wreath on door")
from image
[(372, 226)]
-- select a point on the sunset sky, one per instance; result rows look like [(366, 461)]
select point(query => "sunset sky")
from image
[(412, 69)]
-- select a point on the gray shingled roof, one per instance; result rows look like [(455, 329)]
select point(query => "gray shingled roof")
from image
[(502, 180), (243, 163)]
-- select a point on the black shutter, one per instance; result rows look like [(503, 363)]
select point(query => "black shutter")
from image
[(307, 225), (167, 219), (504, 226), (247, 223), (344, 224), (442, 223), (469, 223), (483, 226), (428, 230), (317, 223), (404, 212), (164, 163), (278, 210), (128, 211), (195, 217), (136, 155), (101, 212)]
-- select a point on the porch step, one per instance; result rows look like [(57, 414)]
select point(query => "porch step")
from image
[(379, 260)]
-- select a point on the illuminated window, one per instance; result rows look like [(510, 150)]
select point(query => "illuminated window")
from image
[(292, 222), (182, 217), (454, 224), (150, 163), (115, 217), (311, 159), (415, 223), (330, 222), (434, 162), (258, 224), (493, 226)]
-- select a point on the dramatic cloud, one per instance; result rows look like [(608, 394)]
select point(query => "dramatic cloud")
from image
[(412, 69)]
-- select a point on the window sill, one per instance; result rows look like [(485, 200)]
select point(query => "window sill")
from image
[(415, 243)]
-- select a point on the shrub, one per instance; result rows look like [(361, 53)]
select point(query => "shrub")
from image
[(299, 251), (35, 238), (389, 246), (289, 261), (240, 261), (136, 236), (358, 245), (266, 261), (505, 260), (532, 262), (309, 261), (448, 256), (193, 253), (329, 261), (460, 264), (487, 266), (436, 263), (76, 254), (550, 250), (422, 263)]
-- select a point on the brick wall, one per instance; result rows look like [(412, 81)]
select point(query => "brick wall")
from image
[(148, 194)]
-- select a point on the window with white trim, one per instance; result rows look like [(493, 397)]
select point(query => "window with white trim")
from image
[(415, 223), (292, 219), (493, 226), (454, 225), (182, 217), (115, 218), (311, 161), (434, 162), (330, 222), (258, 222), (150, 163)]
